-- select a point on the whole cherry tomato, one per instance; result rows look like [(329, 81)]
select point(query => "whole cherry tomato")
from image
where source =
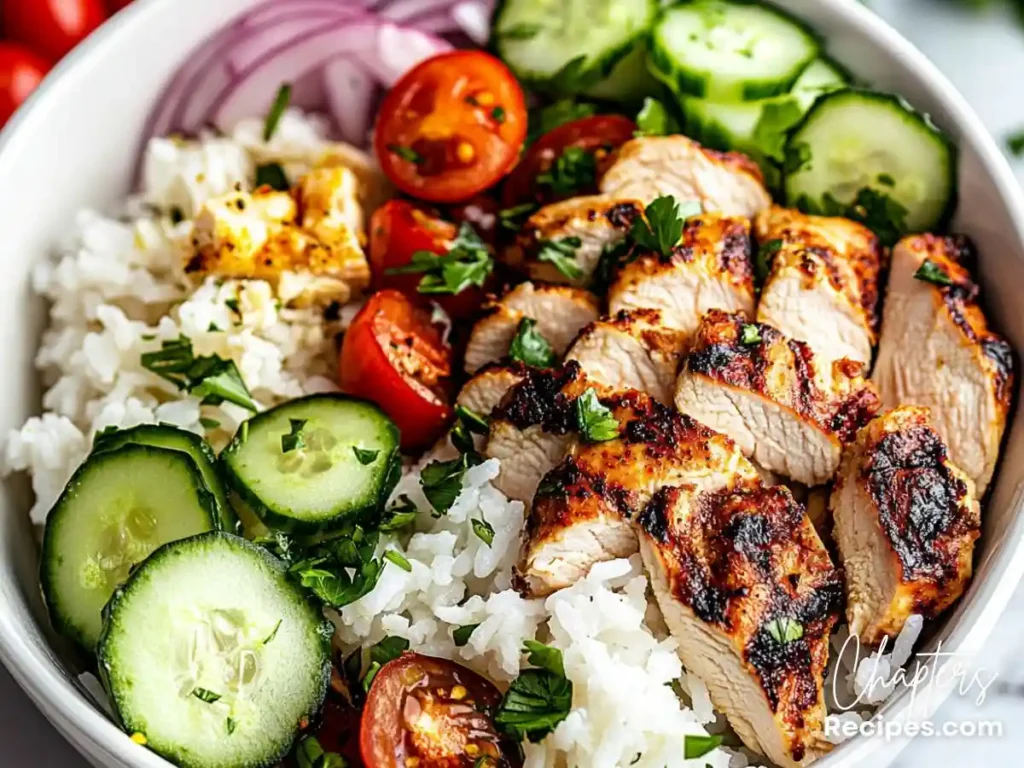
[(51, 27), (432, 713), (451, 127), (544, 176), (113, 6), (396, 356), (21, 71)]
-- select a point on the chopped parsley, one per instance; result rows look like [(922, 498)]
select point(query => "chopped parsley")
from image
[(930, 272), (772, 129), (544, 656), (272, 175), (512, 219), (408, 154), (484, 531), (442, 480), (273, 634), (561, 254), (211, 377), (785, 630), (697, 746), (467, 263), (750, 335), (337, 588), (796, 157), (530, 347), (293, 439), (467, 424), (206, 695), (572, 171), (877, 211), (401, 515), (1015, 143), (595, 421), (365, 456), (661, 227), (547, 118), (230, 724), (460, 635), (284, 95), (396, 557), (765, 256), (233, 305), (388, 649), (654, 119), (498, 114), (537, 700), (309, 754)]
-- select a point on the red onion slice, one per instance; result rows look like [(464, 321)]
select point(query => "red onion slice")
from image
[(399, 49), (349, 90), (474, 18)]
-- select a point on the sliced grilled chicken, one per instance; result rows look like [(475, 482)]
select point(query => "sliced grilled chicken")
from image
[(631, 350), (771, 395), (560, 312), (652, 166), (485, 390), (822, 287), (750, 595), (584, 508), (709, 269), (906, 520), (597, 221), (937, 351)]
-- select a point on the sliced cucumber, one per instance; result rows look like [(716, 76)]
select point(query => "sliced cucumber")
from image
[(567, 46), (630, 81), (213, 656), (117, 508), (729, 51), (176, 439), (309, 463), (854, 140), (820, 77)]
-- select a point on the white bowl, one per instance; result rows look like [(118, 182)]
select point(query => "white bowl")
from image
[(74, 145)]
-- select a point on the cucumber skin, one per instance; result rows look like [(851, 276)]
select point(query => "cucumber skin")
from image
[(278, 521), (103, 663), (227, 519), (925, 120), (682, 84), (599, 71), (204, 497)]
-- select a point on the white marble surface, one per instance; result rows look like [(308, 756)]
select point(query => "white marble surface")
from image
[(984, 56)]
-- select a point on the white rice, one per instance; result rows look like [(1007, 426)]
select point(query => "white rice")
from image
[(116, 291)]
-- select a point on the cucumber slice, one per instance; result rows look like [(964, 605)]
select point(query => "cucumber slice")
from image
[(820, 77), (854, 140), (629, 82), (567, 46), (727, 51), (344, 457), (175, 439), (212, 655), (117, 508)]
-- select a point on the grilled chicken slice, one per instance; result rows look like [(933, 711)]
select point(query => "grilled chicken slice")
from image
[(631, 350), (750, 595), (709, 269), (652, 166), (485, 390), (584, 508), (822, 287), (906, 520), (560, 312), (937, 351), (771, 395), (596, 221)]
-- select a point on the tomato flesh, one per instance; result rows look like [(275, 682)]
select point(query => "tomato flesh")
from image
[(599, 135), (51, 27), (451, 127), (432, 713), (21, 71), (394, 355)]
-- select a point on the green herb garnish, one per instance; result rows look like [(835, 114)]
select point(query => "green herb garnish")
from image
[(272, 175), (293, 440), (654, 119), (401, 515), (785, 630), (595, 421), (211, 377), (206, 695), (498, 114), (284, 95), (365, 456), (750, 335), (561, 254), (572, 171), (442, 480), (549, 117), (273, 633), (876, 210), (309, 754), (512, 219), (534, 704), (530, 347), (483, 530), (388, 649), (396, 557), (698, 746), (1015, 143), (661, 227), (460, 635), (765, 256), (467, 263), (544, 656), (930, 272), (408, 154), (230, 724)]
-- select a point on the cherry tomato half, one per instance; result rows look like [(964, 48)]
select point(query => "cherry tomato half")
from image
[(51, 27), (113, 6), (394, 355), (432, 713), (599, 135), (21, 71), (451, 127)]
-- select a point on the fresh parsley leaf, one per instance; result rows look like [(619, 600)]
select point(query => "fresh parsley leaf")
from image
[(206, 695), (530, 347), (534, 704), (654, 119), (544, 656), (231, 724), (697, 746), (879, 212), (273, 633), (549, 117), (661, 227), (777, 117), (750, 335), (365, 456), (785, 630), (401, 515), (232, 304), (396, 557), (371, 675), (442, 480), (572, 171), (512, 219), (562, 254), (214, 328), (498, 113), (467, 424), (309, 754), (594, 421), (460, 635), (483, 530), (796, 157), (272, 175), (338, 589), (930, 272), (765, 256), (388, 649), (211, 377), (612, 256), (467, 263), (293, 439), (1015, 143), (408, 154), (886, 180), (273, 118)]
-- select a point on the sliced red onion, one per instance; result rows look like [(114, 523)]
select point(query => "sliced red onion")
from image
[(349, 90), (399, 49), (276, 10), (412, 11), (274, 35), (474, 18)]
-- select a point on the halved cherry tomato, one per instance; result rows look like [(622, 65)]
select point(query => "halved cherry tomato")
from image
[(432, 713), (21, 71), (51, 27), (398, 229), (113, 6), (451, 127), (599, 134), (396, 356)]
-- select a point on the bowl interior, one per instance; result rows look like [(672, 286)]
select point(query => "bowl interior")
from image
[(75, 144)]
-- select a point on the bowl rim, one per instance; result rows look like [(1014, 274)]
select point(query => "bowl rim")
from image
[(92, 733)]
